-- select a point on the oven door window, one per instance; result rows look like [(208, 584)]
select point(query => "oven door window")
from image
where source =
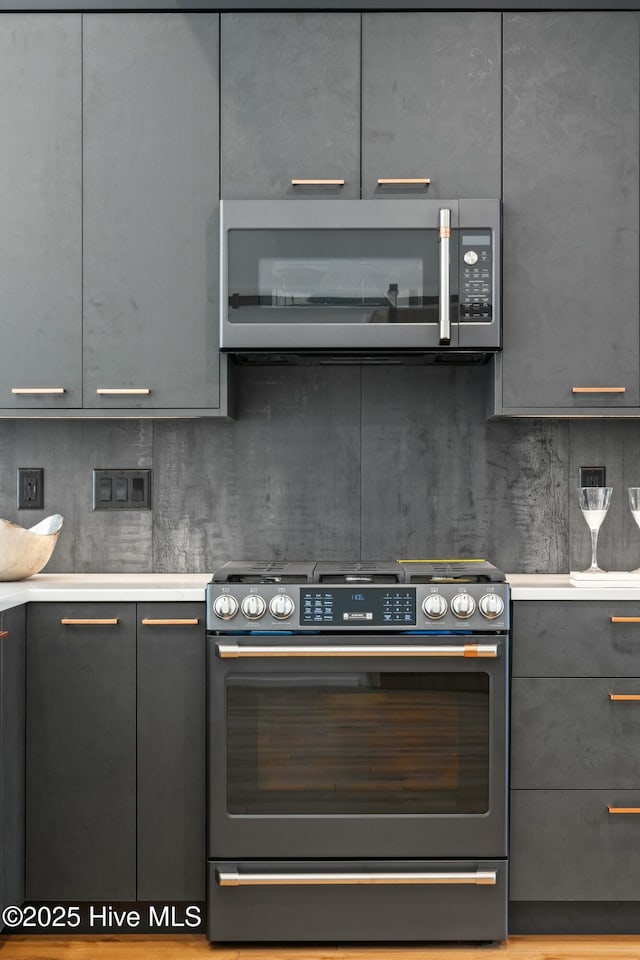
[(335, 276), (361, 743)]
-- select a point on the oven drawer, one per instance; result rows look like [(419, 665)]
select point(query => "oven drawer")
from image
[(357, 900)]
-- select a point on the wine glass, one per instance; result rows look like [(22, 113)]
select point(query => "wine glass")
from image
[(634, 503), (594, 503)]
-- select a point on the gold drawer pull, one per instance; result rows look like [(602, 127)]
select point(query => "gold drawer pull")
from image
[(87, 622), (624, 619), (624, 696), (190, 622), (41, 391), (598, 389), (403, 181), (317, 183), (623, 809), (4, 634), (123, 391)]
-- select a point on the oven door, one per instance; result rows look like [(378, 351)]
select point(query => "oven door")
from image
[(349, 747), (354, 275)]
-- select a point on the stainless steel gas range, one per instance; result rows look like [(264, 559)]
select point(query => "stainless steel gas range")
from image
[(357, 751)]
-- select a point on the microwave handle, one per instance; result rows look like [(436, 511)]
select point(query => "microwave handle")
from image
[(444, 235)]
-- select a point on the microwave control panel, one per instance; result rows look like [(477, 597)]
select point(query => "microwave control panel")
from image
[(476, 275)]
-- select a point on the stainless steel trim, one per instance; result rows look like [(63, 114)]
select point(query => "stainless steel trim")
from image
[(228, 650), (39, 391), (233, 878), (187, 622), (444, 295), (123, 391)]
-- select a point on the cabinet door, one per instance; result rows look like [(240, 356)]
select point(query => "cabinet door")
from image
[(569, 733), (150, 141), (12, 657), (570, 251), (431, 98), (40, 211), (290, 95), (81, 752), (566, 845), (171, 752)]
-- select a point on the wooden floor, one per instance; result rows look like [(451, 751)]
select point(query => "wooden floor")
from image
[(188, 947)]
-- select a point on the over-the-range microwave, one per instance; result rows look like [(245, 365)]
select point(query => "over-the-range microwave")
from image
[(360, 279)]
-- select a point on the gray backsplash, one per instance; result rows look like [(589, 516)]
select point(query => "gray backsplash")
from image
[(322, 462)]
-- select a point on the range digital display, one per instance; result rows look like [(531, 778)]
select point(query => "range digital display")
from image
[(358, 606)]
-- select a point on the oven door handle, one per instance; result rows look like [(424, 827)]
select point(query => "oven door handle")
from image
[(233, 878), (444, 302), (234, 650)]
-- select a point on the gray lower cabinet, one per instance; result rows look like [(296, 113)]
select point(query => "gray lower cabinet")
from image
[(570, 253), (171, 752), (109, 246), (12, 680), (575, 751), (431, 98), (290, 104), (115, 752)]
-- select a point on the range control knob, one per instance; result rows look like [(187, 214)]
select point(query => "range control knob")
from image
[(225, 606), (434, 606), (463, 605), (281, 606), (253, 606), (491, 606)]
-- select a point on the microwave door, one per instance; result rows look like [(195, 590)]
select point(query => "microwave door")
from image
[(320, 284)]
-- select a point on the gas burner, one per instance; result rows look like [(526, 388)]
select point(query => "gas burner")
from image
[(239, 571), (451, 571), (354, 572)]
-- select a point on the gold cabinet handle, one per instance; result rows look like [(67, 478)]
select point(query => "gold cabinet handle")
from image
[(4, 634), (38, 391), (598, 389), (187, 622), (89, 622), (317, 183), (623, 809), (123, 391), (404, 181), (624, 696), (624, 619)]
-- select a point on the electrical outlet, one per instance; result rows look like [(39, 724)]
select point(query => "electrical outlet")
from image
[(122, 489), (592, 477), (30, 488)]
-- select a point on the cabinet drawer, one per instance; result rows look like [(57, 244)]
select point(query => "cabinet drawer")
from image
[(571, 734), (574, 638), (338, 911), (565, 845)]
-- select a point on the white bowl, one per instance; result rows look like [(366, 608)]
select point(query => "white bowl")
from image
[(25, 552)]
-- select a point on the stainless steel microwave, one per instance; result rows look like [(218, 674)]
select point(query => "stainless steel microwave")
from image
[(363, 279)]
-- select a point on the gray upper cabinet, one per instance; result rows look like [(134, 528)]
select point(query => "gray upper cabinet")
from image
[(40, 211), (570, 298), (290, 104), (431, 95), (150, 216)]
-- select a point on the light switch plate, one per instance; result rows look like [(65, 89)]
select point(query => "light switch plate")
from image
[(121, 489)]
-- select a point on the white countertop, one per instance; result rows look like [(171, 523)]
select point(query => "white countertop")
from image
[(96, 587), (171, 587)]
